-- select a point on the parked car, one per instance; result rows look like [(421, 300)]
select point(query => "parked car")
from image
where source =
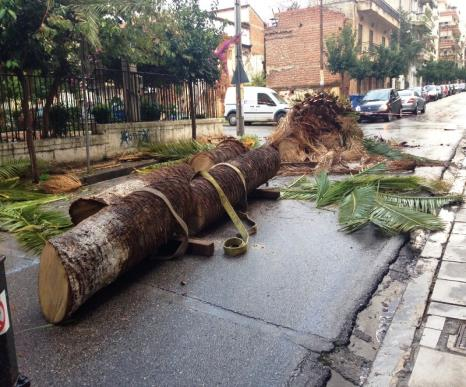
[(432, 92), (260, 104), (439, 92), (412, 102), (461, 87), (380, 103), (421, 92)]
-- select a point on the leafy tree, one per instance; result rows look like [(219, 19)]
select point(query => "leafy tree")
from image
[(441, 72), (362, 68), (342, 52)]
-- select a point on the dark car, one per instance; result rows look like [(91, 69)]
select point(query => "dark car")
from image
[(380, 103), (412, 102)]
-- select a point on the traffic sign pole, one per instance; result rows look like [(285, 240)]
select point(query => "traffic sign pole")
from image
[(9, 375)]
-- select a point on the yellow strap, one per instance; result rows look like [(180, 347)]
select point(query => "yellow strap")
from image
[(183, 246), (236, 245)]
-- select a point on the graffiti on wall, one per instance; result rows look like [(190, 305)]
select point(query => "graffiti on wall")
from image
[(134, 137)]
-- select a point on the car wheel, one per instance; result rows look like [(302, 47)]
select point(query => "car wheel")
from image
[(416, 110), (232, 119), (279, 117), (388, 117), (423, 109)]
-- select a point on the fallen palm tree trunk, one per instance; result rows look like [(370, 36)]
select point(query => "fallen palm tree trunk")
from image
[(90, 256), (93, 254), (226, 150), (257, 167), (85, 207)]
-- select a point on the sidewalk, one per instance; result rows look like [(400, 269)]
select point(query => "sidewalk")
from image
[(426, 343)]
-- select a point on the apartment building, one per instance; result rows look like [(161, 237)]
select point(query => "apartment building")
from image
[(253, 39), (451, 42), (292, 44)]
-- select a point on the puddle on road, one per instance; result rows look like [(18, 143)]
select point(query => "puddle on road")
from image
[(351, 364)]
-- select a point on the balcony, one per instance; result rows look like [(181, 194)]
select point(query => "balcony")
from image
[(421, 20), (433, 3), (381, 10)]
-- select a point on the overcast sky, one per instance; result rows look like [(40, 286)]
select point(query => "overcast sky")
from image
[(265, 8)]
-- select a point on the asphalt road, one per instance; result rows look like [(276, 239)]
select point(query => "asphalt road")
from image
[(259, 320)]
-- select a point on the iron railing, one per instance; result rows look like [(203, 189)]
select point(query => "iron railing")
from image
[(58, 108)]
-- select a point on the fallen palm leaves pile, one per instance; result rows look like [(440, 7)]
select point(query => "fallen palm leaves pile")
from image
[(21, 211), (393, 204), (321, 133)]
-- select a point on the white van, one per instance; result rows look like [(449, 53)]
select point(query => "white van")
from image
[(260, 104)]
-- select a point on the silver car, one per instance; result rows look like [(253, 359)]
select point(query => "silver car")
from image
[(412, 102)]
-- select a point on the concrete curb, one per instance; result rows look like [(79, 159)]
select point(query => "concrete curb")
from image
[(395, 350)]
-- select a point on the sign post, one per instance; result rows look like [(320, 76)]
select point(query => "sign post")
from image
[(9, 375)]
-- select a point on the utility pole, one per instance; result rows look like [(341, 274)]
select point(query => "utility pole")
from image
[(239, 60), (322, 81)]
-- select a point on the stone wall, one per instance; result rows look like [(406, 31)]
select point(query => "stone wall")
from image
[(112, 140)]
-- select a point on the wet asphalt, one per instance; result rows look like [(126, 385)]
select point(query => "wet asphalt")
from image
[(262, 319)]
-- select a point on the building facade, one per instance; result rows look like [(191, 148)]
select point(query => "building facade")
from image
[(293, 45), (252, 36), (451, 41)]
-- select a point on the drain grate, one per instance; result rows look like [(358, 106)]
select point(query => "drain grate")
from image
[(461, 339)]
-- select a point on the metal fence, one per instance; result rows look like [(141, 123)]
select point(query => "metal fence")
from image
[(57, 108)]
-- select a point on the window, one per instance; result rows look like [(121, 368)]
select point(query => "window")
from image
[(264, 99), (383, 41), (371, 39)]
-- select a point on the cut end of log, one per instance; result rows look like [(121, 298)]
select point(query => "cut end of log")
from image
[(84, 208), (54, 288)]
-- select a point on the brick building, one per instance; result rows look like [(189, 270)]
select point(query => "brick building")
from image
[(292, 49), (292, 45)]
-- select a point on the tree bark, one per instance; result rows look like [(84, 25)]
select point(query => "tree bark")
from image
[(84, 207), (26, 97), (48, 104), (77, 264)]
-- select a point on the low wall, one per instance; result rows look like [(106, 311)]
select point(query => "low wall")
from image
[(112, 140)]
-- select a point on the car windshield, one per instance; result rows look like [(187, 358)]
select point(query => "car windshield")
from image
[(377, 95), (279, 98), (405, 93)]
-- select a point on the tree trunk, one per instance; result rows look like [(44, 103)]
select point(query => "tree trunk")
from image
[(77, 264), (257, 167), (48, 104), (192, 110), (83, 208), (26, 97), (226, 150)]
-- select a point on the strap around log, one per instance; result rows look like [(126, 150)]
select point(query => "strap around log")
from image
[(244, 204), (183, 246)]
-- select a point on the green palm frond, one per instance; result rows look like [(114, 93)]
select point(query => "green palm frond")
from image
[(393, 219), (14, 168), (176, 150), (19, 195), (357, 205), (371, 197), (382, 149), (165, 164), (376, 169), (32, 225), (424, 204)]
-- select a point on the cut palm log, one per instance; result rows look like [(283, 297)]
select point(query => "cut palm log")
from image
[(84, 207), (77, 264), (228, 149), (93, 254), (257, 167)]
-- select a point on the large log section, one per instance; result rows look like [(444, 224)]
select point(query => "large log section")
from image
[(82, 208), (93, 254)]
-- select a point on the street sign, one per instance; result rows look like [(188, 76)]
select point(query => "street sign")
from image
[(4, 318), (243, 77)]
